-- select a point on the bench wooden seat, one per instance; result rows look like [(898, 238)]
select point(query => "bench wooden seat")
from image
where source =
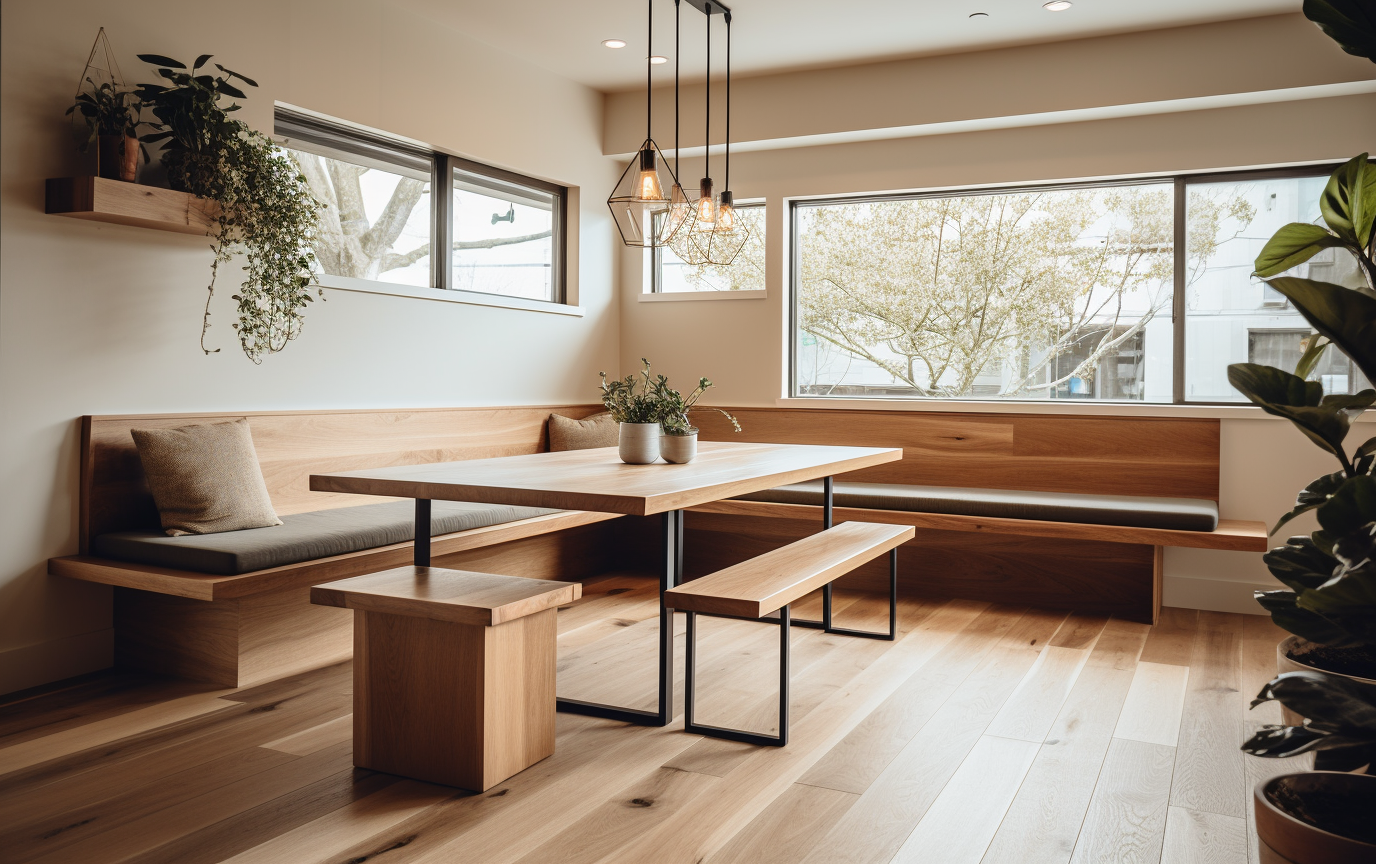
[(243, 629), (768, 584), (453, 671)]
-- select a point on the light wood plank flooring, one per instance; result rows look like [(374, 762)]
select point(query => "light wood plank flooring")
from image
[(984, 734)]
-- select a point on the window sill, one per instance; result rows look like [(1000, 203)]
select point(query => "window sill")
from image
[(472, 298), (961, 406), (702, 295)]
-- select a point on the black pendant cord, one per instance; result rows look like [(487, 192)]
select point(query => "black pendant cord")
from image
[(649, 67), (707, 142), (726, 182), (678, 169)]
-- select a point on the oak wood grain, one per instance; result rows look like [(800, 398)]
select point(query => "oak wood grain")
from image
[(100, 199), (1154, 704), (1152, 456), (459, 596), (1208, 776), (765, 584), (598, 480), (1126, 821)]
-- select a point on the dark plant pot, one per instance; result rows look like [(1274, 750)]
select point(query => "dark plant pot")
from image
[(118, 157), (1286, 661), (1283, 838)]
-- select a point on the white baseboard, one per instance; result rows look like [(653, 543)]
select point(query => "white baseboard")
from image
[(1213, 595), (44, 662)]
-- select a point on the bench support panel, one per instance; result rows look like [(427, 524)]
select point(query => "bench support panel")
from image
[(1120, 579)]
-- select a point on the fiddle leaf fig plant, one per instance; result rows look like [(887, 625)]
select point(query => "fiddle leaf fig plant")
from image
[(1350, 23), (1330, 574), (266, 209)]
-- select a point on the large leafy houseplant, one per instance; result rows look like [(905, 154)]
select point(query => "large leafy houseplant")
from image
[(1330, 574), (266, 209)]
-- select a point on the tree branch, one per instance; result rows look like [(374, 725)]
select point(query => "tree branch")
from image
[(393, 261)]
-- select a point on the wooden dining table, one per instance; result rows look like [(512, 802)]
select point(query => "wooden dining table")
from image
[(597, 480)]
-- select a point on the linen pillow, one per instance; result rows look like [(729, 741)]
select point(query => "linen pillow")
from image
[(565, 433), (205, 479)]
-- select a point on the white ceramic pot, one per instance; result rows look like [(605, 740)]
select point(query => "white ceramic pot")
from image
[(679, 449), (1286, 663), (638, 443)]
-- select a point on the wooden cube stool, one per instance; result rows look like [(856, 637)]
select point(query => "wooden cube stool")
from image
[(453, 671)]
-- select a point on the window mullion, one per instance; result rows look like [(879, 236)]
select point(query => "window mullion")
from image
[(1178, 299), (441, 222)]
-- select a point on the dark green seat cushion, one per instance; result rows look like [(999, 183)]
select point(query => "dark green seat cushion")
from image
[(1182, 514), (302, 536)]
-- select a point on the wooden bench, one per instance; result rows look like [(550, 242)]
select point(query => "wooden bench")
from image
[(453, 671), (761, 586), (239, 630), (1110, 569)]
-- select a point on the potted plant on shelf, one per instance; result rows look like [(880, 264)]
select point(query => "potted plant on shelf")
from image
[(1318, 817), (112, 116), (266, 209), (635, 406), (679, 443), (1330, 604)]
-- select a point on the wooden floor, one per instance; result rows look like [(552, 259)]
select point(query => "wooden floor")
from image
[(984, 734)]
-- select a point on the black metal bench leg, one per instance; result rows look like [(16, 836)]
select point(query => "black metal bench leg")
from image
[(893, 608), (828, 498), (690, 690), (670, 575)]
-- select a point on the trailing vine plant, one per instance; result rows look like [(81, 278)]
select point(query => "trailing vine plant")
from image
[(266, 209)]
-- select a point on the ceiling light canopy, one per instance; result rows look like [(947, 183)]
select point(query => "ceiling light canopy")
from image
[(1057, 5), (658, 60), (614, 43)]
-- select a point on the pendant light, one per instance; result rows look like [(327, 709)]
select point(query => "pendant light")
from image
[(638, 202), (680, 208), (713, 235)]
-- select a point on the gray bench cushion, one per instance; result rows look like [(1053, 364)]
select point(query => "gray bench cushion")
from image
[(302, 536), (1183, 514)]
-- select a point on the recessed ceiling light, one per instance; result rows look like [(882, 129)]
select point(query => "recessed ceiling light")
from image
[(979, 14), (659, 61), (1057, 5), (614, 43)]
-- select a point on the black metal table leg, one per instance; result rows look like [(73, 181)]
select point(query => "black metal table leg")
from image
[(420, 550), (670, 575), (825, 623), (690, 690)]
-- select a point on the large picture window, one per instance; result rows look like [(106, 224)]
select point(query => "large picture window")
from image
[(490, 232), (1087, 292)]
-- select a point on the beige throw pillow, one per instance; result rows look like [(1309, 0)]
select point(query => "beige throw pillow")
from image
[(565, 433), (205, 479)]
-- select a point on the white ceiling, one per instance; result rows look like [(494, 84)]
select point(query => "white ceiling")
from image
[(565, 36)]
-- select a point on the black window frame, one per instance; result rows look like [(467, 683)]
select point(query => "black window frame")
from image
[(1181, 182), (657, 259), (294, 126)]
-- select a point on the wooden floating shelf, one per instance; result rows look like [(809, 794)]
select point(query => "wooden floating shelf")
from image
[(104, 200)]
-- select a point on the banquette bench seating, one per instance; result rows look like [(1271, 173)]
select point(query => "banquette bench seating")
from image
[(233, 609), (1066, 512)]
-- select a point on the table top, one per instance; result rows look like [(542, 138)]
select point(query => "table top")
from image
[(599, 481), (459, 596)]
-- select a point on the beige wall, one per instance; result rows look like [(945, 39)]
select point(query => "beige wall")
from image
[(740, 344), (105, 319)]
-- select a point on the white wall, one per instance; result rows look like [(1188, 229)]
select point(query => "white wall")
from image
[(105, 319), (740, 343)]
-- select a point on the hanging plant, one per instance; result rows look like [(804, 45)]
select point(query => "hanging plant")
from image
[(109, 113), (267, 211)]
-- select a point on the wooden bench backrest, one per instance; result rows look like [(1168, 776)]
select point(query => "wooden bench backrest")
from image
[(292, 445), (1099, 455)]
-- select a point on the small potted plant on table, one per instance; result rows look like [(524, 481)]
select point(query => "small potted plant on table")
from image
[(634, 405), (679, 443)]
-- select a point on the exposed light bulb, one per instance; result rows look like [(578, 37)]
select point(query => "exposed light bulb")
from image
[(614, 43), (706, 207), (647, 186), (680, 210), (726, 213)]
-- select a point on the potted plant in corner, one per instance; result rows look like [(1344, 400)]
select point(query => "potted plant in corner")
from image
[(1318, 817), (637, 409), (679, 443), (1330, 575)]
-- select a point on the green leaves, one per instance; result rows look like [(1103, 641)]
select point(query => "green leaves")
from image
[(1291, 246), (159, 60), (1312, 496), (1324, 419), (1339, 713), (1299, 564), (1350, 507), (1348, 203), (1344, 316), (1350, 23)]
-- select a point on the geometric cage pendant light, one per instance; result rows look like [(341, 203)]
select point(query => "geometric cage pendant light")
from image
[(639, 203), (712, 234)]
